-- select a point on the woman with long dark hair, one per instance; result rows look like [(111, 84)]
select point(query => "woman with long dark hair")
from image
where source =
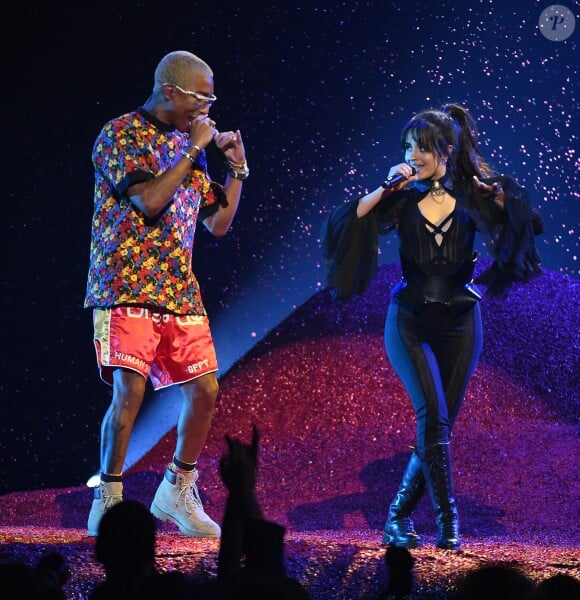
[(436, 200)]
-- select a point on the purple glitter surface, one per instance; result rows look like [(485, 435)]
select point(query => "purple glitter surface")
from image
[(336, 426)]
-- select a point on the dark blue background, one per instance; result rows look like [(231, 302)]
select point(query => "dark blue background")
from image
[(320, 91)]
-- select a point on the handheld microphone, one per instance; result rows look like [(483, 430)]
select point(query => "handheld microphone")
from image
[(395, 179)]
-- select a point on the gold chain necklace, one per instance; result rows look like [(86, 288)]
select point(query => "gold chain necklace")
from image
[(438, 192)]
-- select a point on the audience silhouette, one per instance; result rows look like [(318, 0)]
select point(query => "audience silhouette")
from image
[(44, 581), (251, 557), (16, 581), (251, 554), (400, 564), (125, 547), (495, 582), (559, 587)]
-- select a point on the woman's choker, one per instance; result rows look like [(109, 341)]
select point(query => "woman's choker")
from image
[(438, 192), (426, 185)]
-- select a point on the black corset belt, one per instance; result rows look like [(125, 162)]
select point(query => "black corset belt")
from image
[(455, 291)]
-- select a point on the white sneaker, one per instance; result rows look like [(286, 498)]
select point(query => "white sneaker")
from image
[(107, 494), (177, 500)]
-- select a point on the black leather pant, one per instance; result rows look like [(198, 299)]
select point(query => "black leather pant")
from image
[(435, 355)]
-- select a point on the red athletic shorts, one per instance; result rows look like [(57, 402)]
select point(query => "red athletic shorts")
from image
[(167, 348)]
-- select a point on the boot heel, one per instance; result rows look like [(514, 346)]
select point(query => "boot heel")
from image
[(439, 480), (399, 530), (401, 534)]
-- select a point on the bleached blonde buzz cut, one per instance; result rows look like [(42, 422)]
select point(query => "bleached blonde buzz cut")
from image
[(177, 68)]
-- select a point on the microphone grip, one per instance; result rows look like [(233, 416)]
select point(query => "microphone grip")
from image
[(395, 179)]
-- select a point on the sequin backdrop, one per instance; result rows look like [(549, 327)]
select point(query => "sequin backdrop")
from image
[(320, 91)]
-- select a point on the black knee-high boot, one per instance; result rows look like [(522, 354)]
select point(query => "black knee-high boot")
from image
[(436, 464), (399, 529)]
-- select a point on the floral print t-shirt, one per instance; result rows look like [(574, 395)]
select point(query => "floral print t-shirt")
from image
[(135, 259)]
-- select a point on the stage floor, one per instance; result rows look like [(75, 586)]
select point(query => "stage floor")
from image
[(336, 426)]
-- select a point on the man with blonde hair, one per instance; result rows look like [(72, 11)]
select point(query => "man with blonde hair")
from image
[(151, 188)]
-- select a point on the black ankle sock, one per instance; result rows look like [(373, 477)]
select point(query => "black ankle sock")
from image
[(108, 478), (183, 465)]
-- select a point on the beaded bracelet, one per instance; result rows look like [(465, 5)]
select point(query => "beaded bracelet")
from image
[(242, 165), (238, 170)]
